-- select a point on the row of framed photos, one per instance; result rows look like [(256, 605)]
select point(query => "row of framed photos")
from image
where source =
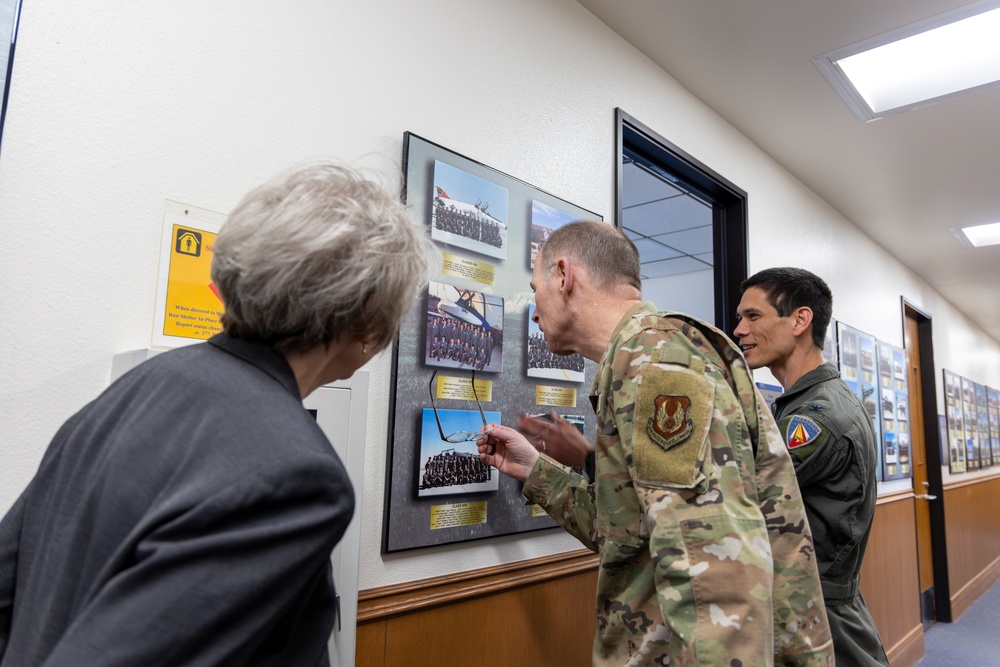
[(876, 372), (972, 424)]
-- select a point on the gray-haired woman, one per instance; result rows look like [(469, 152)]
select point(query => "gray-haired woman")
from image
[(186, 516)]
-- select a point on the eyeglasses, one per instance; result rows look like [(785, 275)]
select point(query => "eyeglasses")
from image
[(459, 436)]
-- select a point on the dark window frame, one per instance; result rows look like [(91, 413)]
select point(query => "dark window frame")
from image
[(729, 219)]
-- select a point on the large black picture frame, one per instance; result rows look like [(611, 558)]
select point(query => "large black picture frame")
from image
[(487, 224), (10, 14)]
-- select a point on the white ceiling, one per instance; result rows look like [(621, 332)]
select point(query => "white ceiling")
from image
[(671, 228), (905, 179)]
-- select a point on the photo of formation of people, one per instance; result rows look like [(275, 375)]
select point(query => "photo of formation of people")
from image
[(464, 329), (544, 364), (545, 219), (450, 468), (468, 212)]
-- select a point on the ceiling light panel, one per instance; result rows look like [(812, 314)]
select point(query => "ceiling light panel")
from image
[(937, 59), (980, 235)]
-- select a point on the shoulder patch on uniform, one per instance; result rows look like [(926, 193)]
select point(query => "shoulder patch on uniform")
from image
[(671, 416), (670, 424), (801, 431)]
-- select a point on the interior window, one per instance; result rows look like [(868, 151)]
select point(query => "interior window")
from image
[(688, 223)]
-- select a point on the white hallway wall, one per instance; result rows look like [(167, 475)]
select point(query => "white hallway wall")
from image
[(115, 107)]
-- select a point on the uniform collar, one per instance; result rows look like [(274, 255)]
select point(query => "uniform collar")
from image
[(638, 309), (821, 373), (260, 356)]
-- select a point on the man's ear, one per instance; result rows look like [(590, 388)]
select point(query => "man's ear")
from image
[(566, 272), (803, 320)]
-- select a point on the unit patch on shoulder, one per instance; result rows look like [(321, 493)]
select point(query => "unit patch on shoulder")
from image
[(801, 431), (670, 424)]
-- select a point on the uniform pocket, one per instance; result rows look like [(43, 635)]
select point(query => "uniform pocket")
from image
[(729, 561)]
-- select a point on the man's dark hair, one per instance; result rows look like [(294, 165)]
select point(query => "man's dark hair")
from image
[(788, 288)]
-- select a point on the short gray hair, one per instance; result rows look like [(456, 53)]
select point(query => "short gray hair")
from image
[(608, 255), (317, 253)]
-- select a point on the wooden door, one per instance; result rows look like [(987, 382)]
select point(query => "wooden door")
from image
[(921, 482)]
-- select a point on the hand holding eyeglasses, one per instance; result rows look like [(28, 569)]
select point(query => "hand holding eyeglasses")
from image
[(508, 451)]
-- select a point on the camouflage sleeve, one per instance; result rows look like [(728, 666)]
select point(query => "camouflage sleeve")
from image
[(707, 540), (817, 452), (710, 544), (801, 627), (565, 496)]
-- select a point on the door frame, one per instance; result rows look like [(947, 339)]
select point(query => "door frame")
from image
[(932, 447), (730, 259)]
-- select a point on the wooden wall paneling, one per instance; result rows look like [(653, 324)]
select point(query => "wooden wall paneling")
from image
[(370, 645), (538, 612), (973, 536), (545, 624), (890, 579)]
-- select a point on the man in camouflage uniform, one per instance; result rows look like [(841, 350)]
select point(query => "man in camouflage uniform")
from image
[(784, 314), (705, 553)]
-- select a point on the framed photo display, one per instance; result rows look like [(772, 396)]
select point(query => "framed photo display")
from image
[(970, 418), (983, 427), (858, 368), (993, 407), (955, 419), (468, 354), (894, 406)]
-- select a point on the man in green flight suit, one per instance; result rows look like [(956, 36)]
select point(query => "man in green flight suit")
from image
[(705, 552), (784, 314)]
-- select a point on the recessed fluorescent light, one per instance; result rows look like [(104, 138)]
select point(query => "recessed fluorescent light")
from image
[(979, 235), (936, 59)]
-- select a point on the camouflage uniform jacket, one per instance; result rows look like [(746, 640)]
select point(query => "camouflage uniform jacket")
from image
[(705, 554), (832, 442)]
